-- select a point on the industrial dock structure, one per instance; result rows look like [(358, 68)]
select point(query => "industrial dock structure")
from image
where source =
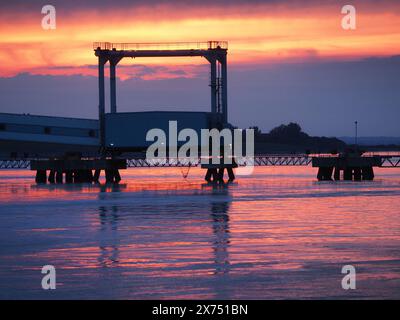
[(77, 150)]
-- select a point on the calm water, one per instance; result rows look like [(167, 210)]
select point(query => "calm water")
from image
[(276, 234)]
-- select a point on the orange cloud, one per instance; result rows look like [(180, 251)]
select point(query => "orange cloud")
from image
[(256, 33)]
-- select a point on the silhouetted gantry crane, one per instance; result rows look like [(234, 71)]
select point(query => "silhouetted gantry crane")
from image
[(215, 53)]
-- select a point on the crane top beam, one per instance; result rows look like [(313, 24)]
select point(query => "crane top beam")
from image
[(161, 45), (160, 49)]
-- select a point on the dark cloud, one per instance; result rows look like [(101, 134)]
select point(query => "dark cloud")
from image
[(21, 6), (324, 97), (124, 71)]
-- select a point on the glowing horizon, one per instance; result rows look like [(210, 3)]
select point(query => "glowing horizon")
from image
[(256, 35)]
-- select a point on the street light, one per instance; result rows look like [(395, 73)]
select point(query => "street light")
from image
[(356, 136)]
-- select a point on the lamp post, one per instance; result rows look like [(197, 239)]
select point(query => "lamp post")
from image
[(356, 136)]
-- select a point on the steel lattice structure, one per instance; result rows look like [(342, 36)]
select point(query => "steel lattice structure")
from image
[(261, 160), (256, 161), (15, 164), (390, 162)]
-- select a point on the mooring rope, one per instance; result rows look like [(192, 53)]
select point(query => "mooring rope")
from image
[(185, 174)]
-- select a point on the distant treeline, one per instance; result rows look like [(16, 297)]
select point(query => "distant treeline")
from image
[(291, 138)]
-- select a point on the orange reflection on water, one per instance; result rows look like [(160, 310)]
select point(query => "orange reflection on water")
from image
[(278, 233)]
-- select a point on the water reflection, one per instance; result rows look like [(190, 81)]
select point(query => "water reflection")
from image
[(218, 200), (111, 187), (95, 187), (272, 235), (108, 246), (220, 226)]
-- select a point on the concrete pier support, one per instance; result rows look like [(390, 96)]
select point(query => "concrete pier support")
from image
[(231, 175), (208, 175), (221, 174), (211, 175), (336, 175), (88, 176), (41, 176), (96, 175), (348, 174), (357, 174), (78, 170), (59, 176), (69, 176), (325, 173), (367, 173), (355, 166), (329, 172), (82, 176), (320, 174), (117, 176), (109, 176), (77, 176), (112, 176), (216, 175), (52, 175)]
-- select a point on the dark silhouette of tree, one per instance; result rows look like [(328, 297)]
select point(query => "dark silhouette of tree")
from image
[(292, 135), (288, 133), (257, 131)]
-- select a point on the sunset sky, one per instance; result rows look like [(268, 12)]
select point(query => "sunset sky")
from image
[(288, 60)]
